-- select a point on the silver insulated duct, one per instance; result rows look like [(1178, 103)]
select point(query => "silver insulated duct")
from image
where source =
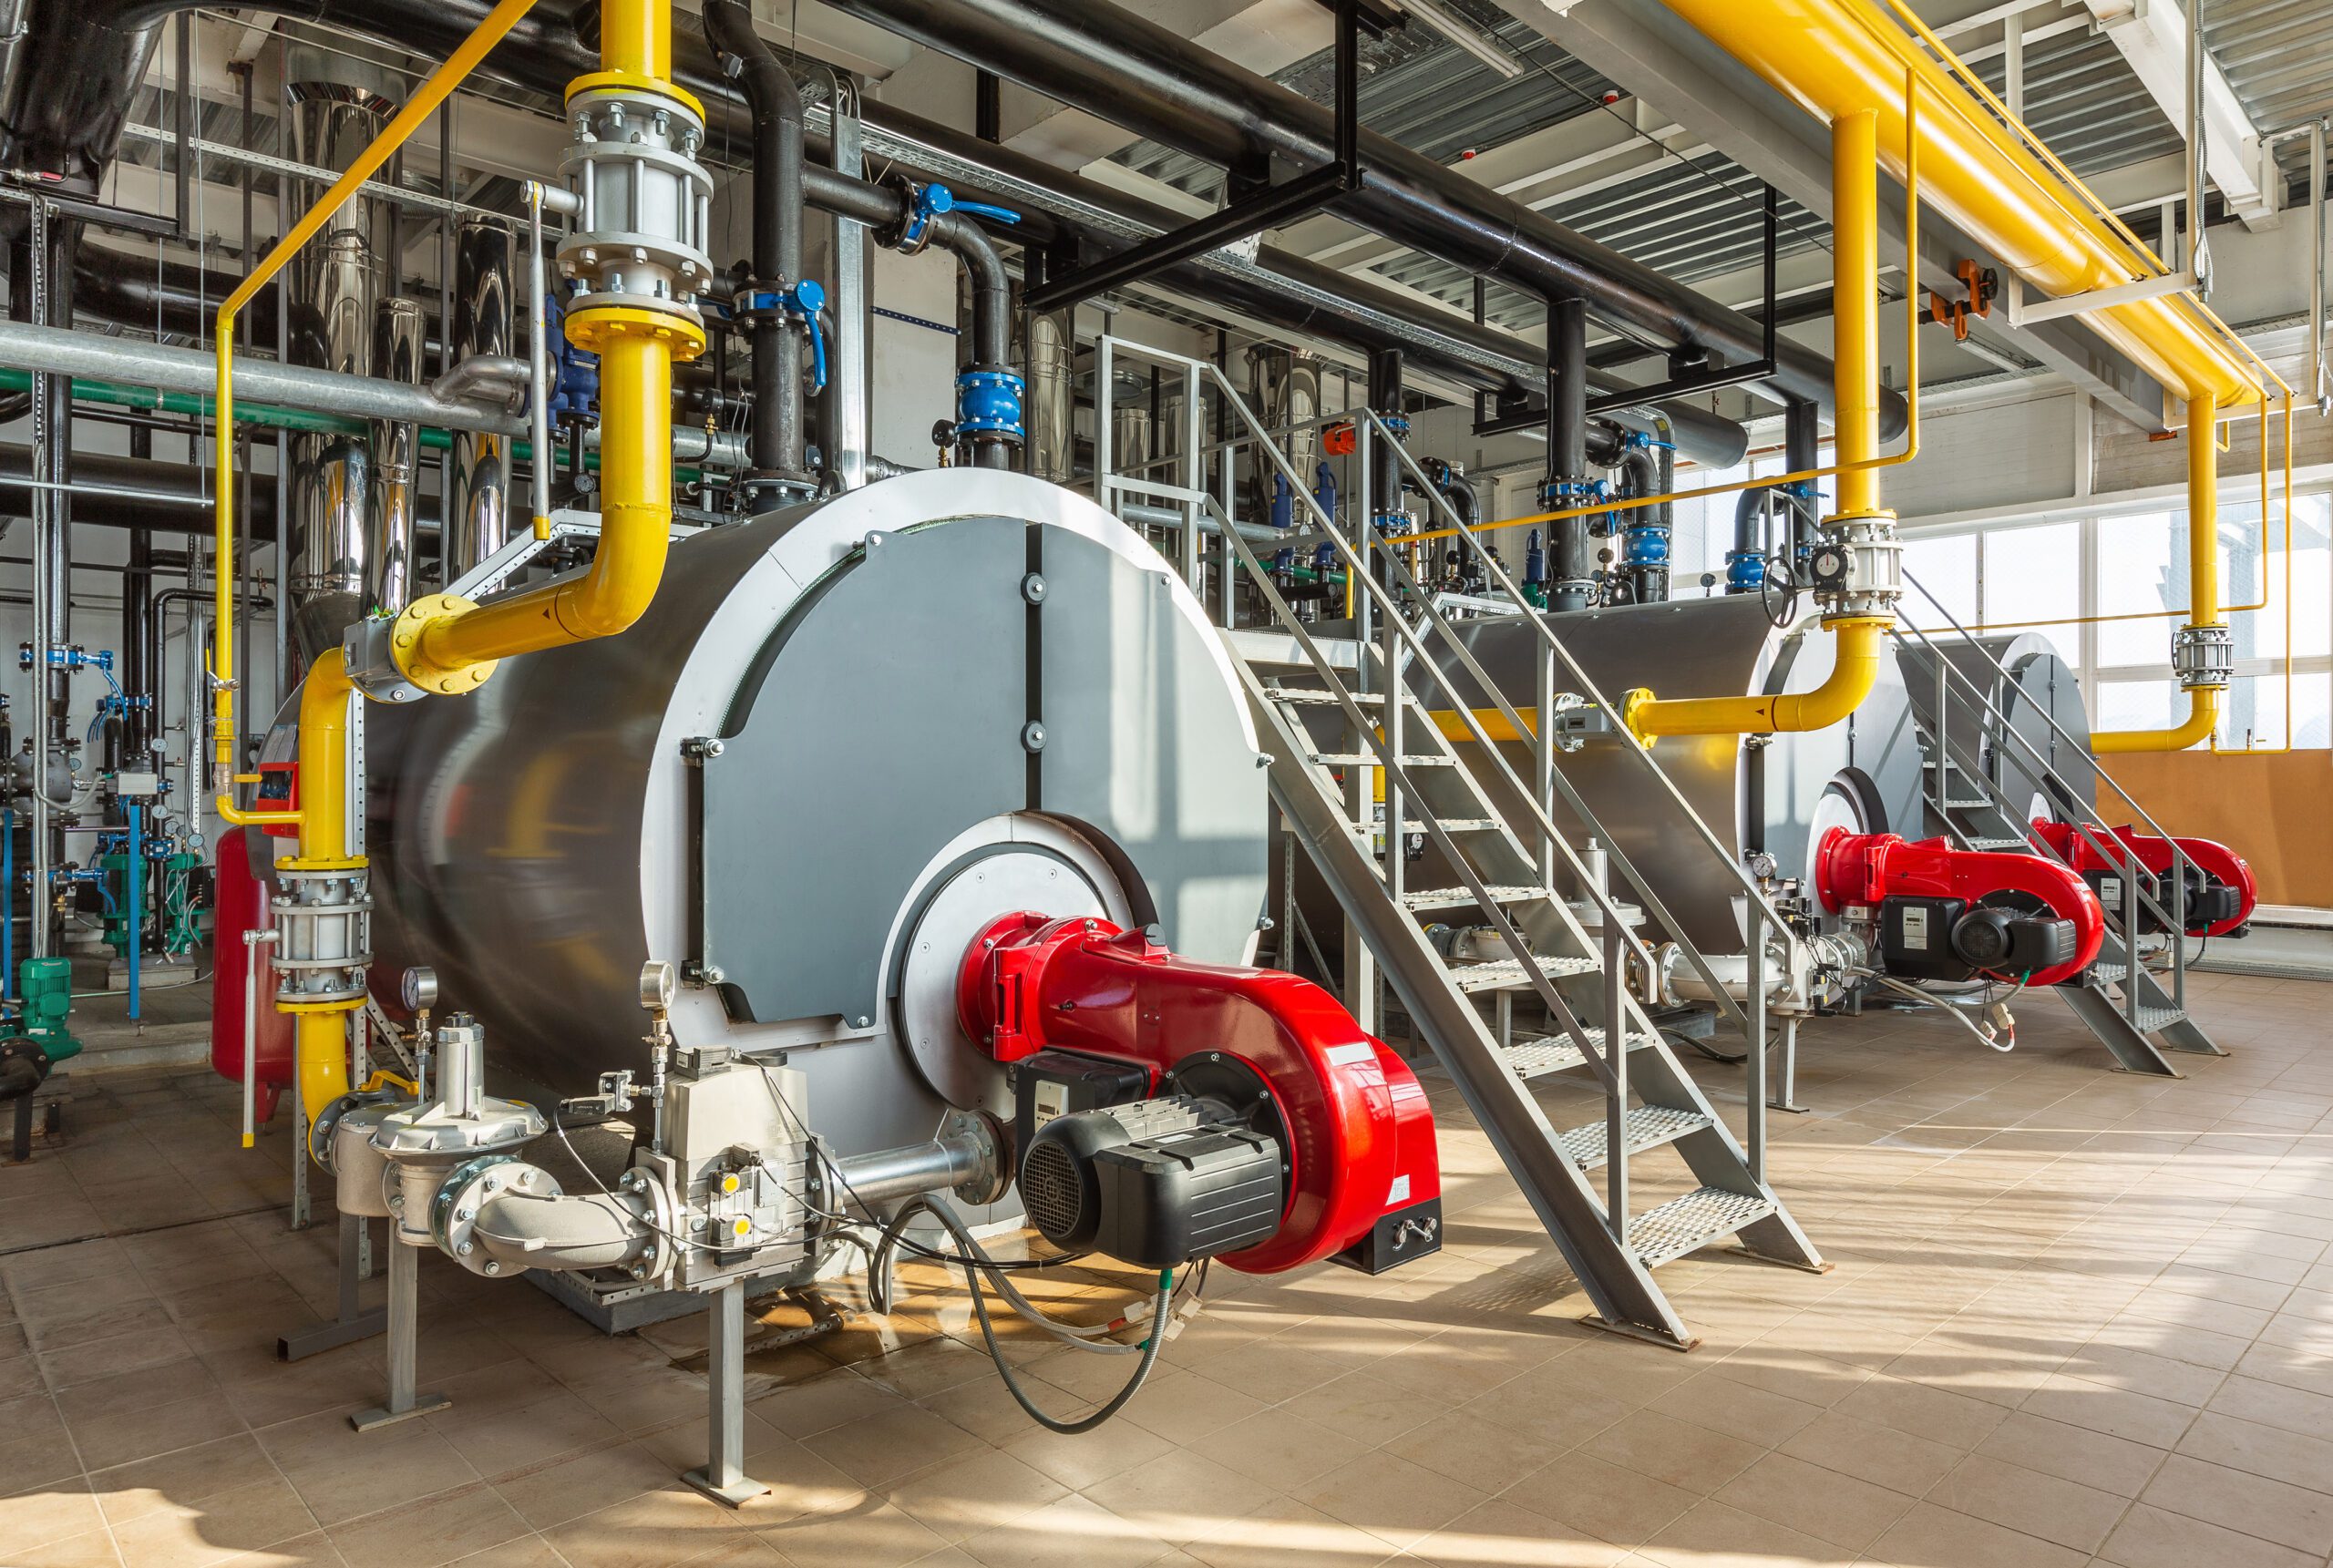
[(477, 473), (334, 291)]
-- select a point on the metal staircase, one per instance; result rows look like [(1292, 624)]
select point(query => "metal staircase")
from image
[(1344, 719), (1973, 790)]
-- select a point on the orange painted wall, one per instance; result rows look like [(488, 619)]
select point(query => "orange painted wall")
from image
[(2276, 811)]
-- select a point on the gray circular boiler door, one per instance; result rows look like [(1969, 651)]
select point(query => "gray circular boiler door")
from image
[(972, 896), (924, 688)]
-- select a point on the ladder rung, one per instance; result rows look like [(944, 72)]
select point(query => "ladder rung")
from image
[(1645, 1127), (1685, 1224), (1459, 897), (1358, 759), (1302, 694), (1505, 974), (1449, 825), (1536, 1056)]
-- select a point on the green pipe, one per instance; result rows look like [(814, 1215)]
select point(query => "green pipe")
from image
[(273, 417)]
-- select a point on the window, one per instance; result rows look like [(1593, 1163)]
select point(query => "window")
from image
[(2034, 575), (1946, 567)]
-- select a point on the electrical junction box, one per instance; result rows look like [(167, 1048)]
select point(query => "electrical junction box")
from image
[(1051, 1084), (137, 785), (1916, 939), (1187, 1195)]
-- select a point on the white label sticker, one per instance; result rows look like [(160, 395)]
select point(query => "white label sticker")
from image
[(1400, 1193), (1346, 1055), (1050, 1100), (2110, 890), (1916, 927)]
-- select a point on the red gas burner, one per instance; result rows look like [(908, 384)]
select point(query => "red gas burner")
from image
[(1963, 905), (2221, 893), (1271, 1050)]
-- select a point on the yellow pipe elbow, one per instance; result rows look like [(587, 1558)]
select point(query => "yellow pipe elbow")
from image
[(447, 646), (1856, 651), (2202, 718), (320, 1047)]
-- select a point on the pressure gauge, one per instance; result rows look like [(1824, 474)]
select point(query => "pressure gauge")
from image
[(419, 988), (657, 985)]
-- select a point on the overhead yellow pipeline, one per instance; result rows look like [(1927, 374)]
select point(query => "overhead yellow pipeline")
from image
[(1839, 58), (2203, 592), (449, 646), (1858, 641)]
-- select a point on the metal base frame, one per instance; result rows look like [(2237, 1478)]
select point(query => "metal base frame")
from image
[(353, 1320)]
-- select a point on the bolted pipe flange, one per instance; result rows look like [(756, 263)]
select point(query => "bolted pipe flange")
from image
[(2202, 657), (1858, 569), (641, 238), (324, 926), (406, 633)]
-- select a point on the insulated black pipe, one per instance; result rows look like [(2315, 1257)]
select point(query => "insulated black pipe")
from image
[(176, 499), (1139, 75), (138, 658), (1571, 575), (64, 236), (1647, 580), (174, 298), (776, 436)]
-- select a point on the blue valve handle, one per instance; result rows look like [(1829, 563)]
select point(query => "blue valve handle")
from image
[(933, 200)]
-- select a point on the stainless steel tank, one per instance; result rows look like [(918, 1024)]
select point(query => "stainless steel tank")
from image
[(1778, 794), (843, 738)]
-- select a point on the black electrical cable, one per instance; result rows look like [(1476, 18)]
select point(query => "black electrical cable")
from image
[(1092, 1418)]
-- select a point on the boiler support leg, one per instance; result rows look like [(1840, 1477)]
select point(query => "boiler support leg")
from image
[(403, 1345), (1786, 1097), (724, 1477)]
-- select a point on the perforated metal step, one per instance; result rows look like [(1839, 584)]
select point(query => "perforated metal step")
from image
[(1301, 695), (1357, 759), (2150, 1020), (1998, 845), (1539, 1055), (1504, 973), (1688, 1224), (1452, 825), (1645, 1127), (1464, 897)]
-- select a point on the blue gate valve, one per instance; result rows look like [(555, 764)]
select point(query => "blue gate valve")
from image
[(935, 199)]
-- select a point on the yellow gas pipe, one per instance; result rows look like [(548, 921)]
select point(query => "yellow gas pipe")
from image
[(446, 645), (1858, 641), (2203, 591)]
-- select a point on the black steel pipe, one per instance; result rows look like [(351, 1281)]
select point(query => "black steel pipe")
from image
[(1139, 75), (775, 435), (1571, 575)]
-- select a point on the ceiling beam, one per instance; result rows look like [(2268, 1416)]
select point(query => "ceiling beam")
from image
[(2152, 37)]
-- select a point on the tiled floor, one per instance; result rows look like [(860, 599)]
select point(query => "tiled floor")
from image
[(2076, 1316)]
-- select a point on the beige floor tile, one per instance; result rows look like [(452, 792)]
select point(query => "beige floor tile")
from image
[(1935, 1414), (2262, 1451), (1713, 1536), (2031, 1501), (47, 1513), (2095, 1460), (228, 1524), (569, 1487), (1882, 1455), (1499, 1534), (1075, 1532), (96, 1549), (871, 1534), (2152, 1537), (1286, 1533), (1933, 1537), (1280, 1449), (879, 1449), (1690, 1457), (1814, 1501), (2118, 1412), (981, 1491), (1737, 1408), (1391, 1497), (2289, 1515), (429, 1533), (1087, 1459), (1585, 1493), (1178, 1494)]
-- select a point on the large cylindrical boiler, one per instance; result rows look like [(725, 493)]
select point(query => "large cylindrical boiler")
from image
[(1779, 793), (844, 738)]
